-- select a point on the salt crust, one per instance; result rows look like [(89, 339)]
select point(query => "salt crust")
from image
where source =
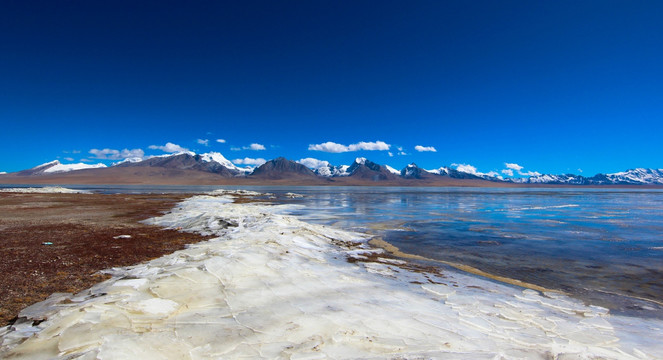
[(45, 190), (276, 287)]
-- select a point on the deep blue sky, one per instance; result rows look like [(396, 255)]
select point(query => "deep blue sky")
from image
[(553, 86)]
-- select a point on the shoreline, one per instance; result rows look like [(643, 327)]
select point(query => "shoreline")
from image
[(269, 285), (193, 178)]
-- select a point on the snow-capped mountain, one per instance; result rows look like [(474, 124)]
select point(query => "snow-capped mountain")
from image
[(637, 176), (361, 171), (392, 170), (363, 168), (210, 162), (568, 179), (332, 171), (456, 174), (412, 171), (55, 166)]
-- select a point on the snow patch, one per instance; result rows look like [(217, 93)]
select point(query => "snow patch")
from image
[(59, 168), (45, 190), (392, 170)]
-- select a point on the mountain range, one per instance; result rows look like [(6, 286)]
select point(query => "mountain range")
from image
[(214, 169)]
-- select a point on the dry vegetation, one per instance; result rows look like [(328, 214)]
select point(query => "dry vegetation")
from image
[(58, 242)]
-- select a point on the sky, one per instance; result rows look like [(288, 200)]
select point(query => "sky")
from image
[(527, 86)]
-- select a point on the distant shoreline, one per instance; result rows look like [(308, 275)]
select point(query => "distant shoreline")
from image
[(197, 178)]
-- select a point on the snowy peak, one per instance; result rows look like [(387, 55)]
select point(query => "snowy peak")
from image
[(392, 170), (333, 171), (638, 176), (56, 166), (218, 158), (368, 170), (412, 171), (188, 161)]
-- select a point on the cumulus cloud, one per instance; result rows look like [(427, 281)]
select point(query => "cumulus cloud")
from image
[(313, 163), (169, 148), (390, 154), (510, 167), (254, 146), (113, 154), (466, 168), (332, 147), (420, 148), (203, 142), (513, 166), (250, 161), (222, 141)]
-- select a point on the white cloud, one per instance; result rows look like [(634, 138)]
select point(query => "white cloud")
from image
[(169, 148), (519, 169), (580, 170), (69, 158), (313, 163), (250, 161), (235, 148), (203, 142), (513, 166), (332, 147), (112, 154), (390, 154), (402, 153), (362, 145), (466, 168), (222, 141), (420, 148), (254, 146)]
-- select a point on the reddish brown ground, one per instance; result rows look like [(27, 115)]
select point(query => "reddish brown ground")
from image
[(81, 228)]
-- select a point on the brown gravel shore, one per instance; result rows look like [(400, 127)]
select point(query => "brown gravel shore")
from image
[(81, 229)]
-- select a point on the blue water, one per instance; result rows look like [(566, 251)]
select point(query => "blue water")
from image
[(604, 246)]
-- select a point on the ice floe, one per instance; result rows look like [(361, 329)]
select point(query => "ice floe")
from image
[(273, 286), (46, 190)]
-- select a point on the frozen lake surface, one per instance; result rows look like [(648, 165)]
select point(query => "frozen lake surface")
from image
[(276, 285)]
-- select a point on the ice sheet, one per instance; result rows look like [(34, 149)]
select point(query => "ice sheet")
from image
[(272, 286)]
